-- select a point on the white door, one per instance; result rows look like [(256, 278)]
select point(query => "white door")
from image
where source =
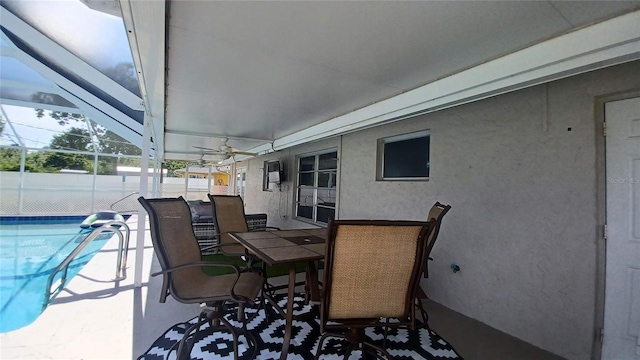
[(622, 288)]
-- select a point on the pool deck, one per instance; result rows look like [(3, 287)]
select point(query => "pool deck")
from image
[(95, 317)]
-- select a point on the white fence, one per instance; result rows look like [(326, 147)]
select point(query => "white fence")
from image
[(76, 194)]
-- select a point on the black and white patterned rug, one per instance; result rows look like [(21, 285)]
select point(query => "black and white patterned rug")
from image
[(423, 343)]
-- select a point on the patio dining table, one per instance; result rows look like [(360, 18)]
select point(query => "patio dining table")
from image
[(276, 247)]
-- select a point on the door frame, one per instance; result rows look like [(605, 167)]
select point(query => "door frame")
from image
[(601, 213), (236, 185)]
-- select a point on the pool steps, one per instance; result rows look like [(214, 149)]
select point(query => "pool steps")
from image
[(121, 266)]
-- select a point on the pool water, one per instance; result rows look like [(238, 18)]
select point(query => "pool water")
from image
[(28, 254)]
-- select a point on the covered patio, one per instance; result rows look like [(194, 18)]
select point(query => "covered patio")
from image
[(509, 96)]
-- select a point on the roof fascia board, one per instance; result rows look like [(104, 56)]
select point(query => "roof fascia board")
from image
[(604, 44), (145, 23), (129, 24), (37, 40)]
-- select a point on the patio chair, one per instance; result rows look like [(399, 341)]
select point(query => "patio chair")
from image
[(229, 216), (178, 252), (437, 212), (372, 272)]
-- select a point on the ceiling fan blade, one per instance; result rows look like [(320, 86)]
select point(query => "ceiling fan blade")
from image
[(205, 148), (244, 153)]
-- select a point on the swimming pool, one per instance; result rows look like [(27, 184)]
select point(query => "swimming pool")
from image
[(29, 250)]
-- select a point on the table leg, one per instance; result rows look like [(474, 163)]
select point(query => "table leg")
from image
[(288, 328), (312, 281)]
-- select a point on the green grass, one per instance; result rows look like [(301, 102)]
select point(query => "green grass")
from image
[(272, 271)]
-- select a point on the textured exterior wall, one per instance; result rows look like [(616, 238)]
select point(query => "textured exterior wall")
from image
[(520, 173)]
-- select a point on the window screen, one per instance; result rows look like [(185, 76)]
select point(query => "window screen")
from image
[(404, 157)]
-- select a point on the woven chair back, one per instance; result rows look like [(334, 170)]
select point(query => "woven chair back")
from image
[(372, 269), (174, 242), (228, 216)]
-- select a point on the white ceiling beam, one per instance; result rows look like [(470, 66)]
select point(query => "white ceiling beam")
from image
[(72, 63), (604, 44), (129, 24)]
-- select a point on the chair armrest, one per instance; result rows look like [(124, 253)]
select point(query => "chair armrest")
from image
[(207, 263), (198, 264)]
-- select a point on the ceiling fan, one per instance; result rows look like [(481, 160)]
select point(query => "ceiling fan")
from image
[(221, 153)]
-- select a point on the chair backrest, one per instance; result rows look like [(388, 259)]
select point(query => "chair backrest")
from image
[(436, 212), (372, 270), (174, 244), (228, 216)]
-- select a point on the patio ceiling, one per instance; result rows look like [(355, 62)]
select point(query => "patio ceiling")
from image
[(268, 75)]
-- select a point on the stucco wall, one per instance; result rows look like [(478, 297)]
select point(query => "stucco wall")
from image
[(520, 173)]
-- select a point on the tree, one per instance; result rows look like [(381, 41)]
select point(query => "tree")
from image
[(68, 161), (112, 143), (72, 139), (124, 74), (34, 161), (173, 165), (10, 159)]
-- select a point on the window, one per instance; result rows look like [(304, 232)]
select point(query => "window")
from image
[(266, 184), (316, 187), (404, 157)]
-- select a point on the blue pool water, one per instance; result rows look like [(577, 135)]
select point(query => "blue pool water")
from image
[(28, 253)]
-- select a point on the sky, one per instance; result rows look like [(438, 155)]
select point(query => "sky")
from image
[(35, 133), (98, 38)]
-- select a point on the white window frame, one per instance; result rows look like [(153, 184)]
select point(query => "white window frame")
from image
[(315, 188)]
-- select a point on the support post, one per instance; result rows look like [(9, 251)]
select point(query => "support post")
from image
[(144, 185)]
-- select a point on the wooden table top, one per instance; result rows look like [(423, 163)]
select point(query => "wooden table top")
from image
[(285, 246)]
